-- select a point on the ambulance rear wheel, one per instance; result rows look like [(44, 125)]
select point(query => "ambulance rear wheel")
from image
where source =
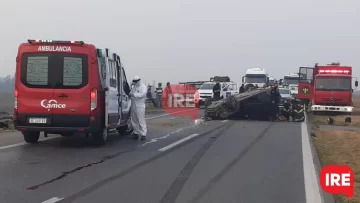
[(100, 136), (31, 136)]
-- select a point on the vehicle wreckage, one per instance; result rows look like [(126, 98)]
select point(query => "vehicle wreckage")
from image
[(252, 104)]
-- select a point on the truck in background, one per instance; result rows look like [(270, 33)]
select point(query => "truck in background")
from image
[(271, 81), (291, 81), (328, 88), (255, 76)]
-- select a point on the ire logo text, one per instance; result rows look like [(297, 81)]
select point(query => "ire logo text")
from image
[(337, 179)]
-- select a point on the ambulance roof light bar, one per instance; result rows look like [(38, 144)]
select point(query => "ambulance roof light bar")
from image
[(54, 41)]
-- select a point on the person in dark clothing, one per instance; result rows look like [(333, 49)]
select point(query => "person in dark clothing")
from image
[(150, 97), (216, 91), (286, 112), (298, 114), (159, 91), (242, 89), (275, 98)]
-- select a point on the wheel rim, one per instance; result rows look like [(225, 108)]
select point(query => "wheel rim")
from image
[(105, 134), (129, 126)]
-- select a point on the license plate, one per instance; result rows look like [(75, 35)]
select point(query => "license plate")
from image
[(37, 120)]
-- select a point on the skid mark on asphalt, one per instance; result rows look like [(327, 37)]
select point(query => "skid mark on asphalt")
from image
[(105, 158), (123, 173), (227, 168), (196, 122), (173, 192)]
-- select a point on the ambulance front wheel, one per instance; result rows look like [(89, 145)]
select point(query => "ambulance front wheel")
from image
[(31, 136)]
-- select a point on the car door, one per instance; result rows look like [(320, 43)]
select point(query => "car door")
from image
[(126, 102), (35, 91), (113, 102), (71, 90), (119, 90)]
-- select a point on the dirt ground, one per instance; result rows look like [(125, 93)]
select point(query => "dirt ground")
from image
[(340, 145)]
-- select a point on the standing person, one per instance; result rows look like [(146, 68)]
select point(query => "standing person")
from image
[(167, 92), (138, 98), (242, 89), (275, 97), (159, 91), (150, 96), (216, 91)]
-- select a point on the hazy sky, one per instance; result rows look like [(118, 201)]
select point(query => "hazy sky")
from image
[(182, 40)]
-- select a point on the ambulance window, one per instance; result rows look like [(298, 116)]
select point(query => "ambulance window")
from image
[(113, 74), (73, 74), (126, 87), (54, 70), (37, 70)]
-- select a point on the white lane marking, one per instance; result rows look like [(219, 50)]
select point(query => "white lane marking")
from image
[(153, 140), (24, 143), (311, 181), (224, 121), (53, 200), (178, 142), (163, 137), (168, 114)]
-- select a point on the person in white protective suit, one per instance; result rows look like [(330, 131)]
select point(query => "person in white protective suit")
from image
[(138, 98)]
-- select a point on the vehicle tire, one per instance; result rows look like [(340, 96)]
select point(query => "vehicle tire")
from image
[(207, 102), (31, 136), (126, 129), (100, 136)]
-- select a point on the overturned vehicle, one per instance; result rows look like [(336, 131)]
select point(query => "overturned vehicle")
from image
[(254, 104)]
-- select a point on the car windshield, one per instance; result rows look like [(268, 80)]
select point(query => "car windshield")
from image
[(208, 86), (284, 91), (291, 81), (294, 88), (328, 83), (229, 87), (255, 78)]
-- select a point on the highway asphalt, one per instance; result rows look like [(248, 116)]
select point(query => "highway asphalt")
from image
[(181, 161)]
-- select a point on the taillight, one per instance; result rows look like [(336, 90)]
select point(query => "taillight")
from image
[(93, 99), (16, 100)]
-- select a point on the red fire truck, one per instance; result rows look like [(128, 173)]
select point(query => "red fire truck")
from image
[(328, 88)]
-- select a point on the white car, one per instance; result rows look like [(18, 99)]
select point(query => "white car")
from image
[(206, 91), (293, 90), (285, 93)]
